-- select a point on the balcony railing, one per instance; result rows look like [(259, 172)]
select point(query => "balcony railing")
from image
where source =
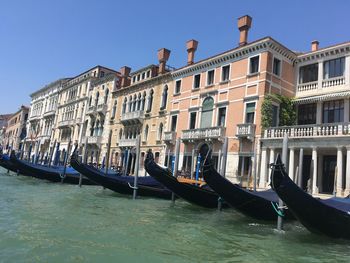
[(246, 130), (203, 133), (333, 82), (127, 143), (91, 110), (169, 137), (101, 108), (134, 116), (308, 86), (66, 123), (94, 139), (49, 113), (307, 131)]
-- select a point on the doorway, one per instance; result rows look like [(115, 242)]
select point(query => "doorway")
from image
[(329, 164)]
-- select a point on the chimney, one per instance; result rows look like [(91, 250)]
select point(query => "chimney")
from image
[(244, 24), (314, 45), (191, 49), (163, 56), (124, 71)]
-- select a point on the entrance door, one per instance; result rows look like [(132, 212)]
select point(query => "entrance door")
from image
[(329, 164)]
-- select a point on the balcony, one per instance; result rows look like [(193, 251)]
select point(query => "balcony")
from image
[(321, 86), (50, 113), (133, 117), (324, 130), (246, 130), (169, 137), (66, 123), (94, 139), (127, 143), (91, 110), (101, 108), (333, 82), (211, 133)]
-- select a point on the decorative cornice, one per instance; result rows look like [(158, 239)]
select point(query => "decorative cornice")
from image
[(325, 52)]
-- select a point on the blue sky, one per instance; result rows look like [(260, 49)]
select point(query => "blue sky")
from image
[(43, 40)]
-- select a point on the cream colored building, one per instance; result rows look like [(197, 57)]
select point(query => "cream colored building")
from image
[(73, 105), (42, 119), (142, 110)]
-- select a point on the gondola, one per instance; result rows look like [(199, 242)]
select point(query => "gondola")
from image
[(201, 196), (262, 205), (6, 163), (52, 174), (147, 186), (330, 217)]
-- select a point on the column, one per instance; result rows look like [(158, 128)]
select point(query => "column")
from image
[(263, 166), (314, 171), (291, 164), (347, 180), (346, 110), (271, 160), (320, 74), (339, 183)]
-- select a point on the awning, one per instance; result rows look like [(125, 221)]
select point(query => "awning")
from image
[(331, 96)]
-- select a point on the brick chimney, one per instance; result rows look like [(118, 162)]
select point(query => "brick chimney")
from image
[(124, 71), (163, 56), (314, 45), (191, 49), (244, 24)]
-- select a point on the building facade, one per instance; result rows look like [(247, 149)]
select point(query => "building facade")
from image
[(16, 130), (322, 134)]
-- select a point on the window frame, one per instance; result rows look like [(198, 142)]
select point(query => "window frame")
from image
[(207, 78), (222, 73), (280, 67), (245, 111), (180, 86), (218, 119), (250, 63), (194, 81)]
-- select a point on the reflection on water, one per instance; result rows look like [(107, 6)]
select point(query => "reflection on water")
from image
[(45, 222)]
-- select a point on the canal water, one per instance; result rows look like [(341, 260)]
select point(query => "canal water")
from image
[(46, 222)]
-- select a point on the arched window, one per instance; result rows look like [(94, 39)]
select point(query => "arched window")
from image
[(97, 126), (139, 102), (160, 132), (124, 105), (150, 101), (134, 103), (90, 100), (114, 109), (130, 104), (164, 98), (92, 128), (106, 96), (120, 133), (97, 97), (145, 134), (207, 112), (143, 101)]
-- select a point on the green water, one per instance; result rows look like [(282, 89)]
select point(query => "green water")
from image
[(45, 222)]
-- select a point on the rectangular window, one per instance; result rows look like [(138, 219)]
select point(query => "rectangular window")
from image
[(276, 66), (225, 73), (197, 81), (308, 73), (254, 65), (173, 123), (178, 86), (307, 114), (193, 116), (249, 112), (334, 68), (333, 111), (222, 116), (210, 77), (274, 116)]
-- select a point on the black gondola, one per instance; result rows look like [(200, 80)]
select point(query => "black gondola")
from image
[(202, 196), (262, 205), (330, 217), (147, 186), (52, 174), (6, 163)]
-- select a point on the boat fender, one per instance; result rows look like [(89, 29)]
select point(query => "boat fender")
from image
[(62, 176), (132, 187), (277, 209)]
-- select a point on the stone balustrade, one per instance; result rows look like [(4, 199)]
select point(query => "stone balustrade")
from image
[(94, 139), (333, 82), (304, 131), (169, 137), (132, 116), (203, 133), (66, 123), (246, 130), (127, 143), (307, 86)]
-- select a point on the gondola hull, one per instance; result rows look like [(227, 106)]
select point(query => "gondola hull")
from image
[(254, 204), (191, 193), (120, 184), (330, 217), (6, 163), (46, 173)]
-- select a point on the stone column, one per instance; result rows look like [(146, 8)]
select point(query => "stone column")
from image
[(314, 171), (339, 185), (291, 164), (263, 166), (319, 112), (347, 180), (320, 74), (271, 160)]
